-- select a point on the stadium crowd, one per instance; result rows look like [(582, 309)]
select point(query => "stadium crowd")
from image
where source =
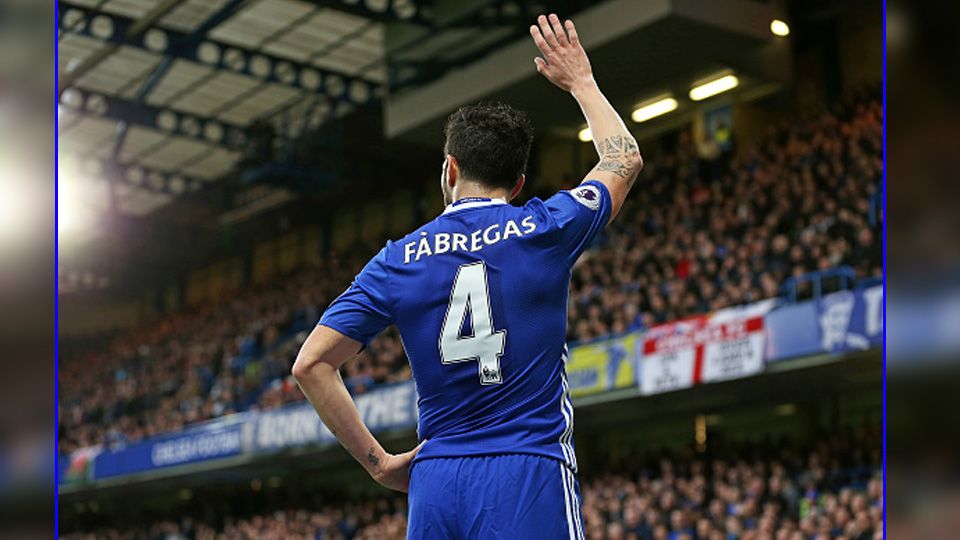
[(781, 491), (699, 233), (193, 365)]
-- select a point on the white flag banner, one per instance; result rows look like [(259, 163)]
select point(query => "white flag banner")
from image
[(702, 351)]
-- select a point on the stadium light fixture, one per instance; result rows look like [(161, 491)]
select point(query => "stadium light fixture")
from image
[(779, 28), (585, 135), (21, 204), (714, 86), (72, 220), (74, 217), (654, 108)]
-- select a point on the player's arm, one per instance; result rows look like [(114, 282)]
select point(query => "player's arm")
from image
[(317, 370), (565, 64)]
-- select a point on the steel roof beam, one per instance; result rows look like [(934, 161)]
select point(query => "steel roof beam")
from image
[(157, 181), (385, 11), (146, 178), (210, 130), (131, 31), (115, 29)]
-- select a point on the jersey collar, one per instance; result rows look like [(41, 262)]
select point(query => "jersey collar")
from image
[(472, 202)]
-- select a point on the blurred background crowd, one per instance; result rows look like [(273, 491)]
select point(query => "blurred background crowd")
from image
[(705, 233), (698, 234), (831, 488)]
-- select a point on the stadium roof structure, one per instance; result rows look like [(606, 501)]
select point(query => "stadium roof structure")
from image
[(166, 107), (159, 98)]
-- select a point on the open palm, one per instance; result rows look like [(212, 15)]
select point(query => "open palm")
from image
[(564, 62)]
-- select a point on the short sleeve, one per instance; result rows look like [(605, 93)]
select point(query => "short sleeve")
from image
[(580, 214), (363, 310)]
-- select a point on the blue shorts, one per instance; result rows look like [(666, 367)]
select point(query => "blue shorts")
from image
[(503, 496)]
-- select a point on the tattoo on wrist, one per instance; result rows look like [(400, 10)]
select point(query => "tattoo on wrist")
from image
[(372, 458)]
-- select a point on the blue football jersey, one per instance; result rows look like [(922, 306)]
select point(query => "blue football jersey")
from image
[(479, 296)]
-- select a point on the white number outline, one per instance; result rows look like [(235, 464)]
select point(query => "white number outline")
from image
[(473, 320)]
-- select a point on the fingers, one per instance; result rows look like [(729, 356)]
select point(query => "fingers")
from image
[(419, 446), (547, 32), (572, 33), (539, 41), (558, 29), (541, 64), (408, 456)]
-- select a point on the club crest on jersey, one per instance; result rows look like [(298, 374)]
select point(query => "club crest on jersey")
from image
[(588, 196)]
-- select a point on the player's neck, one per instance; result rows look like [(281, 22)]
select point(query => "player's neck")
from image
[(472, 190)]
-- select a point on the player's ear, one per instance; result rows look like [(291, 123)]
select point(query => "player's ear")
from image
[(453, 171), (516, 189)]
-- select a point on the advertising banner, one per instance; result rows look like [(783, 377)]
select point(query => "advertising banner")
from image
[(206, 442), (603, 365), (839, 322), (701, 350), (851, 320), (728, 344), (735, 350), (384, 408), (665, 367)]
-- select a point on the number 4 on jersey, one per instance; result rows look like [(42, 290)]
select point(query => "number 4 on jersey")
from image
[(470, 294)]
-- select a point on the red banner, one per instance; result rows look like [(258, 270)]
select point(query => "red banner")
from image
[(683, 354)]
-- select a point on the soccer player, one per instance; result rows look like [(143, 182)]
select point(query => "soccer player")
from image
[(479, 296)]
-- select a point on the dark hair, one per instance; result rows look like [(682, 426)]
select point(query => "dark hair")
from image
[(491, 142)]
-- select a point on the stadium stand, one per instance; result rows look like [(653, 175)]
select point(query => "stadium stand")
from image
[(828, 489), (799, 201), (698, 235)]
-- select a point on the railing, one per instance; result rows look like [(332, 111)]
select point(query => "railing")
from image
[(846, 279)]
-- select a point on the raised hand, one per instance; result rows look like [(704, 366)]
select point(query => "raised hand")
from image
[(564, 62)]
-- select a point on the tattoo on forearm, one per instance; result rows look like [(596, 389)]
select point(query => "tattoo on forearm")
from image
[(372, 458), (618, 154), (613, 165)]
